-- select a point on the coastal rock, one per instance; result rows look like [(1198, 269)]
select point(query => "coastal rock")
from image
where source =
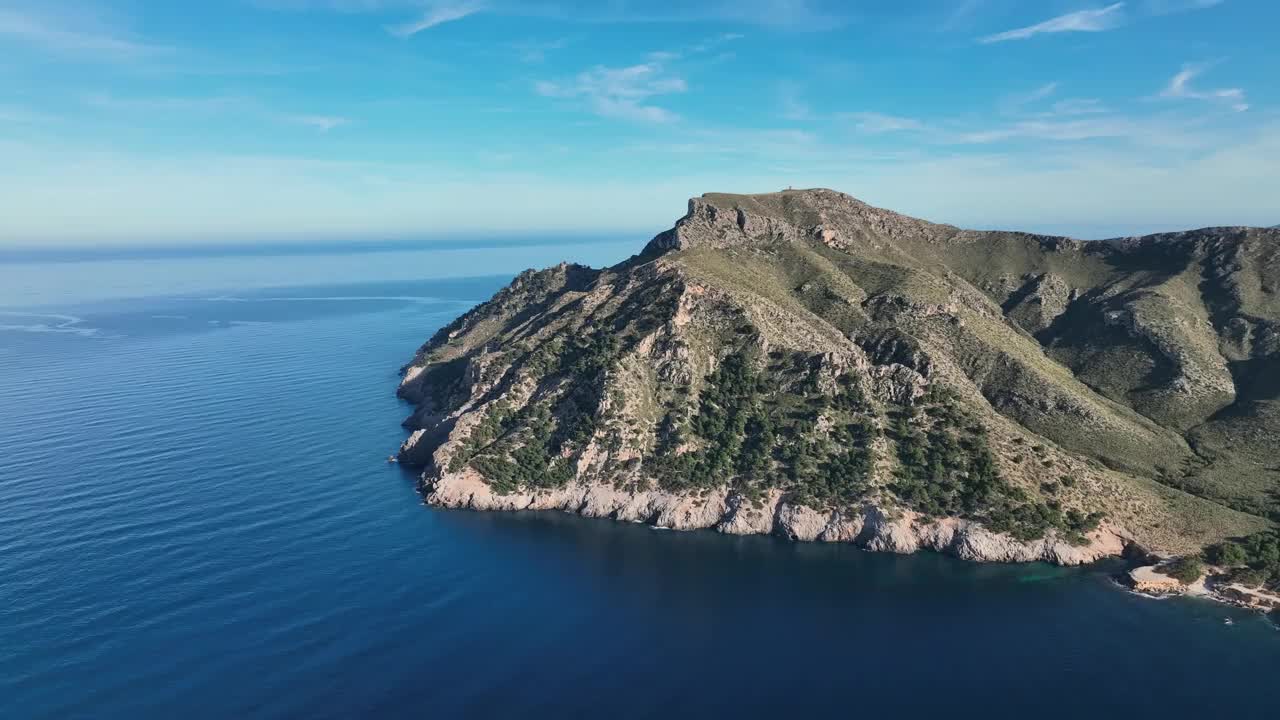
[(1148, 579), (870, 528), (744, 517), (798, 522)]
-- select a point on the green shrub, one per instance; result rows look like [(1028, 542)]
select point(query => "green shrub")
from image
[(1227, 554), (1254, 560), (1185, 570)]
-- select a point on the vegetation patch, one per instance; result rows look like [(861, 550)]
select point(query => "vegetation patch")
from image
[(1253, 561), (947, 469)]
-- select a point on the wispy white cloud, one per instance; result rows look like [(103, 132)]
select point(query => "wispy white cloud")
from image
[(702, 47), (1099, 19), (625, 92), (429, 13), (1169, 7), (321, 123), (1038, 94), (1032, 104), (1055, 130), (714, 42), (1094, 20), (1018, 101), (437, 14), (64, 35), (620, 92), (344, 6), (1067, 121), (1078, 106), (960, 15), (954, 132), (875, 123), (789, 15), (1179, 87), (785, 14), (151, 107)]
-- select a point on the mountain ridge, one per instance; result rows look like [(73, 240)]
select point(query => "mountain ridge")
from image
[(1033, 397)]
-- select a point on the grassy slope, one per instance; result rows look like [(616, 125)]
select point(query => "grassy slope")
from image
[(1124, 439), (1168, 284)]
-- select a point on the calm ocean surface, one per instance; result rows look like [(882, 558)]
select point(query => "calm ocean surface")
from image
[(197, 521)]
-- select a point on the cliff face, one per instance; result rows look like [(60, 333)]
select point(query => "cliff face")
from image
[(802, 363), (866, 526)]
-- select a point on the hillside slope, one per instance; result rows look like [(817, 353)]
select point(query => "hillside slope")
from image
[(804, 363)]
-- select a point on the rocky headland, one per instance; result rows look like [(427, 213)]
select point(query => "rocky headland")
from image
[(806, 365)]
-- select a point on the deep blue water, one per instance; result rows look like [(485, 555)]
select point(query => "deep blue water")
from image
[(197, 521)]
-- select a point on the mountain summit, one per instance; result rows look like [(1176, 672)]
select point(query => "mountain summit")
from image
[(806, 364)]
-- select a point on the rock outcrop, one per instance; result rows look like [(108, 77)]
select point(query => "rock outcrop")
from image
[(867, 527), (1148, 579)]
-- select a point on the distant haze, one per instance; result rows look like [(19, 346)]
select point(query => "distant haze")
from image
[(138, 123)]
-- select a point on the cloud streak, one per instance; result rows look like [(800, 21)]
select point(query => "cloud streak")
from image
[(51, 34), (1179, 88), (621, 92), (787, 15), (321, 123), (152, 107), (1169, 7), (874, 123), (436, 14), (1095, 20), (1067, 121)]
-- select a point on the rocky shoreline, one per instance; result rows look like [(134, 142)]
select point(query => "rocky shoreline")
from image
[(867, 527), (1148, 581)]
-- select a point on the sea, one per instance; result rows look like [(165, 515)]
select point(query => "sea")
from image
[(198, 520)]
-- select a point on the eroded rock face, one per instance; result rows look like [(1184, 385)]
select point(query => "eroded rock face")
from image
[(867, 527), (1044, 300), (834, 219), (709, 226)]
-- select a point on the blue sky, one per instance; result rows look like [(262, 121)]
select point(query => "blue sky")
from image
[(151, 121)]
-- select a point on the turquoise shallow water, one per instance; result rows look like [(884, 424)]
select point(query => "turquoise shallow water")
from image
[(196, 520)]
